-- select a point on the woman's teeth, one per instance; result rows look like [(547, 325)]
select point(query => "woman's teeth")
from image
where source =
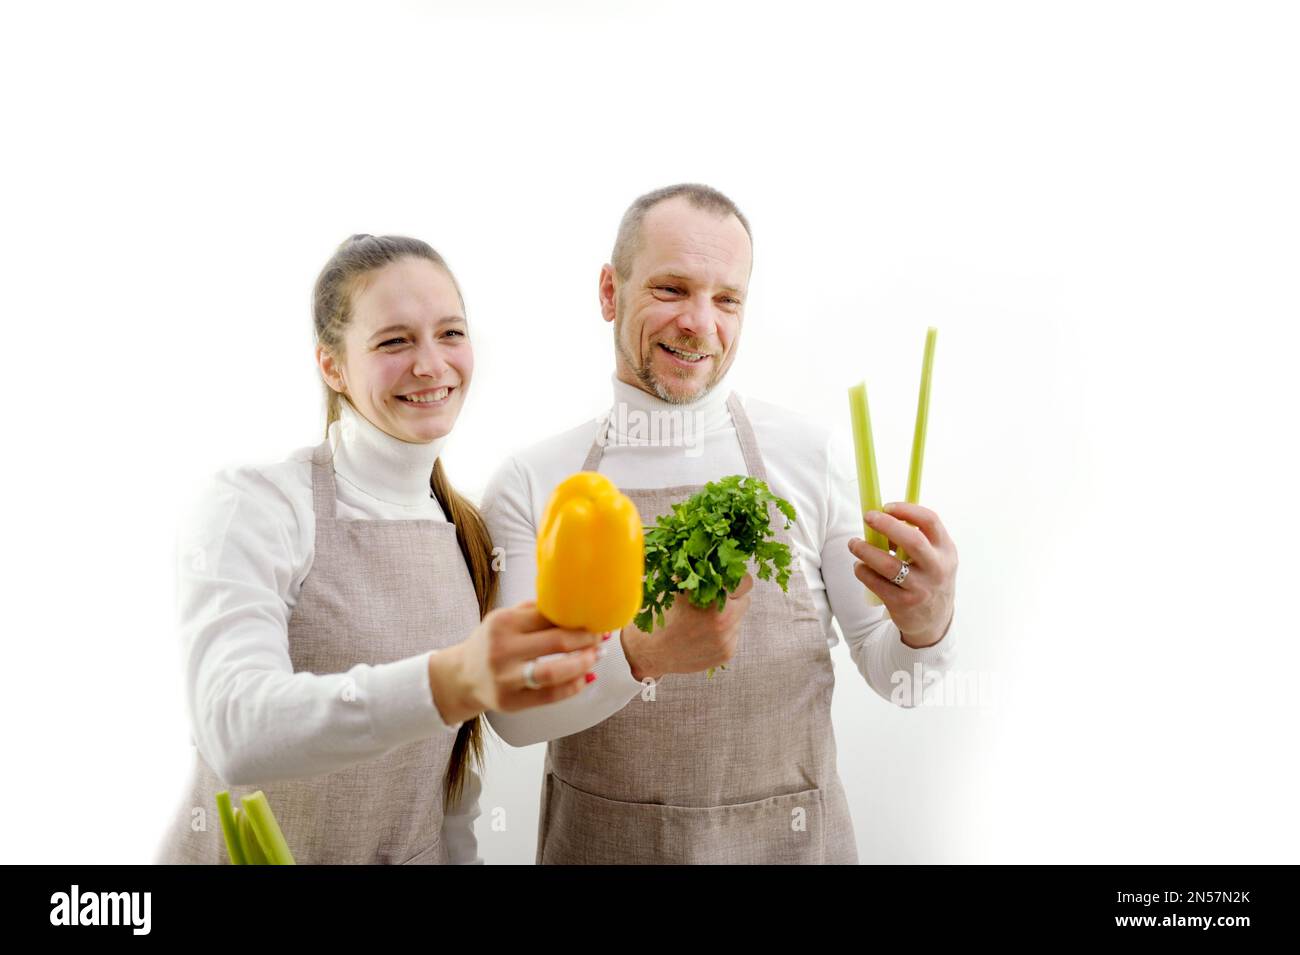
[(431, 398), (683, 355)]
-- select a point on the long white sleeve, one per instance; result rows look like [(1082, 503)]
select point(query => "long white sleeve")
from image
[(508, 508), (254, 719), (804, 466), (243, 553)]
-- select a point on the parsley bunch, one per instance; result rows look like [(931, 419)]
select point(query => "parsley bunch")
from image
[(703, 547)]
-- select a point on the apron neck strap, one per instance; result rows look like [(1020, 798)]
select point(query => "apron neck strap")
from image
[(323, 495), (748, 443), (592, 460), (744, 434)]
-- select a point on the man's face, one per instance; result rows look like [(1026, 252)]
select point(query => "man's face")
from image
[(677, 315)]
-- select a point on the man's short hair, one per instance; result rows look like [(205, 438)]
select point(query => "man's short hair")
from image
[(629, 241)]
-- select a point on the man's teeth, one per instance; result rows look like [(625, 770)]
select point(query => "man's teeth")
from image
[(427, 399), (684, 355)]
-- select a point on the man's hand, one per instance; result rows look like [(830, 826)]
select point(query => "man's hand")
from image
[(922, 607), (691, 639)]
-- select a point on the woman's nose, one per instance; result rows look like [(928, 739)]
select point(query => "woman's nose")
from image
[(430, 362)]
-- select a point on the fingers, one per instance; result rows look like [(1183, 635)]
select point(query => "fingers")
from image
[(919, 548), (555, 670), (924, 518), (874, 582), (745, 586), (529, 646), (525, 699), (521, 633), (907, 594), (521, 618), (881, 565), (557, 678)]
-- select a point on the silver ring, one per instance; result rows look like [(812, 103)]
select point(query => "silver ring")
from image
[(902, 574), (529, 682)]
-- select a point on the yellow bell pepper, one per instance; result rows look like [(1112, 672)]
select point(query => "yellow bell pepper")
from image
[(590, 556)]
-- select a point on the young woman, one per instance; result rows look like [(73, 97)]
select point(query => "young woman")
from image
[(338, 649)]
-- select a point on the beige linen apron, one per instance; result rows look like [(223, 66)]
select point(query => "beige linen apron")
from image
[(739, 768), (378, 591)]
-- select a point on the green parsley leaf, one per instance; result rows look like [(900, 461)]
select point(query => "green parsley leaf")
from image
[(703, 547)]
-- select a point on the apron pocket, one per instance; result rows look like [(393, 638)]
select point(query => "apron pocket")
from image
[(585, 829)]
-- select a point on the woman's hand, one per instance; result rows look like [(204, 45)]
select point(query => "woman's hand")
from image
[(486, 672)]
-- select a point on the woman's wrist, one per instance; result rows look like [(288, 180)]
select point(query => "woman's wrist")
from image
[(452, 693)]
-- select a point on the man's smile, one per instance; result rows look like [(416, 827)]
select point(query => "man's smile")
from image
[(690, 357)]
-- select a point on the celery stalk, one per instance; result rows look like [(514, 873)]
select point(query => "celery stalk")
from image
[(918, 436), (865, 455), (269, 836), (252, 851), (229, 828)]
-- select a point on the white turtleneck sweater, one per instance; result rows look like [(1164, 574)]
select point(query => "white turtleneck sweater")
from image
[(243, 554), (805, 466)]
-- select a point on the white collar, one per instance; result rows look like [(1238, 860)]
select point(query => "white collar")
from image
[(633, 408), (372, 460)]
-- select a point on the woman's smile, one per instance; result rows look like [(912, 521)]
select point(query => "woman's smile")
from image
[(428, 398)]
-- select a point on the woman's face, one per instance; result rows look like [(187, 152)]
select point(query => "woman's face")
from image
[(407, 359)]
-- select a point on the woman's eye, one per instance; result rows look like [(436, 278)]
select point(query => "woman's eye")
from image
[(455, 331), (392, 341)]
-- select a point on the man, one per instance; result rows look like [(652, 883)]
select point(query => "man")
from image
[(657, 762)]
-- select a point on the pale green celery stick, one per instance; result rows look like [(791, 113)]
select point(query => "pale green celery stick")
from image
[(269, 836), (252, 851), (229, 828), (865, 454), (918, 436)]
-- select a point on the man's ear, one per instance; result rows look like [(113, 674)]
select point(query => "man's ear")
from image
[(608, 292), (331, 370)]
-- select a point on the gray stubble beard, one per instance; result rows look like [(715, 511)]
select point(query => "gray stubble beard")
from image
[(645, 375)]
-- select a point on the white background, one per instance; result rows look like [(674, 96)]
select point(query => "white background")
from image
[(1095, 203)]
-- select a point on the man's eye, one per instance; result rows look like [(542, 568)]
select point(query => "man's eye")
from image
[(455, 331), (671, 289), (731, 301)]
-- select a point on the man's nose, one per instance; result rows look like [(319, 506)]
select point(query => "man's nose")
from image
[(697, 318)]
